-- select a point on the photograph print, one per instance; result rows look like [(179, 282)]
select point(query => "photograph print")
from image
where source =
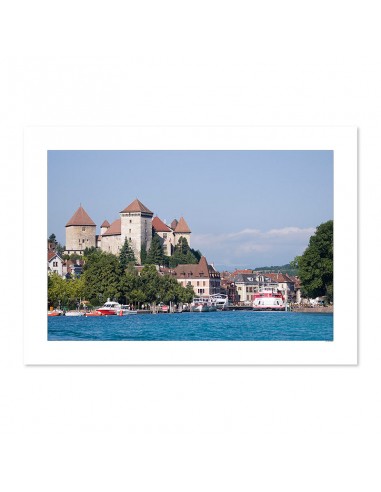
[(190, 245)]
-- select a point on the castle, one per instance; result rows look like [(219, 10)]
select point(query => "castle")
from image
[(136, 224)]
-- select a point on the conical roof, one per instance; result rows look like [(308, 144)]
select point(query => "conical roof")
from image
[(174, 224), (182, 226), (105, 223), (80, 218), (137, 206), (159, 225), (114, 229)]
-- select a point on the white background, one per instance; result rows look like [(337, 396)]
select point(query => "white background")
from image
[(189, 428), (341, 140)]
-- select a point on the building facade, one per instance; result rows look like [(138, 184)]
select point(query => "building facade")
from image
[(135, 224), (204, 279)]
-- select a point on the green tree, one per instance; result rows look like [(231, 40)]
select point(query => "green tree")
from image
[(155, 255), (101, 276), (126, 256), (149, 283), (58, 292), (315, 265), (182, 254), (143, 254)]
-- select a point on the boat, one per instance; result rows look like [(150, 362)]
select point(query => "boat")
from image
[(55, 312), (93, 313), (109, 308), (269, 300), (125, 311), (221, 301), (112, 308), (74, 313), (162, 308), (199, 305)]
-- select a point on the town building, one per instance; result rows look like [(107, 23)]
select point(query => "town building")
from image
[(285, 285), (249, 284), (204, 279), (55, 263)]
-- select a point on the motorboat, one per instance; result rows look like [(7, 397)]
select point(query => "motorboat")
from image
[(221, 301), (109, 308), (269, 300), (74, 313), (112, 308), (199, 305), (125, 310), (55, 312)]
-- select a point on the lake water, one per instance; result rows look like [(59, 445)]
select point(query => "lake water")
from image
[(224, 325)]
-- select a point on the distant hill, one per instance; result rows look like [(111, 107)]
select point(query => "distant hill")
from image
[(282, 269)]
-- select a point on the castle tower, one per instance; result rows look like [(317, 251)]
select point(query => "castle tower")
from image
[(80, 232), (136, 226), (105, 225), (181, 230)]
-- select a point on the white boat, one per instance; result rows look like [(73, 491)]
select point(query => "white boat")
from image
[(269, 300), (74, 313), (126, 311), (199, 305), (221, 301)]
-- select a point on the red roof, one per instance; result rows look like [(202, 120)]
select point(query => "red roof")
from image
[(51, 255), (174, 223), (278, 277), (114, 229), (159, 225), (182, 226), (244, 272), (137, 206), (200, 270), (105, 223), (80, 218)]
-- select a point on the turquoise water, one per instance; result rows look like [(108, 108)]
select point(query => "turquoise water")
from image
[(225, 325)]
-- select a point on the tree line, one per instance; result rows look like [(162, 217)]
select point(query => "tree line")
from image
[(107, 276), (315, 265)]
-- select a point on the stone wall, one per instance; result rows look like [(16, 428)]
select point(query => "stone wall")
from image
[(78, 238)]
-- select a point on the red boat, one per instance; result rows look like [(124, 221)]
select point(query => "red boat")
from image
[(109, 308), (55, 312), (269, 300)]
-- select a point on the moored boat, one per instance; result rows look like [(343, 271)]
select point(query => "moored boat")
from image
[(109, 308), (199, 305), (55, 312), (112, 308), (74, 313), (269, 300), (125, 311), (221, 301), (93, 313)]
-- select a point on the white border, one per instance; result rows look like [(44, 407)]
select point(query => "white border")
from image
[(342, 140)]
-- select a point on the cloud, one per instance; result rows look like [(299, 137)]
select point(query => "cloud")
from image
[(291, 231), (252, 246)]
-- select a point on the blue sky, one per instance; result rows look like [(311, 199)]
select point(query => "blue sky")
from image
[(245, 208)]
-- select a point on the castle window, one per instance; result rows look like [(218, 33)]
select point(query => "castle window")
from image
[(129, 231), (165, 235), (130, 221), (83, 228)]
